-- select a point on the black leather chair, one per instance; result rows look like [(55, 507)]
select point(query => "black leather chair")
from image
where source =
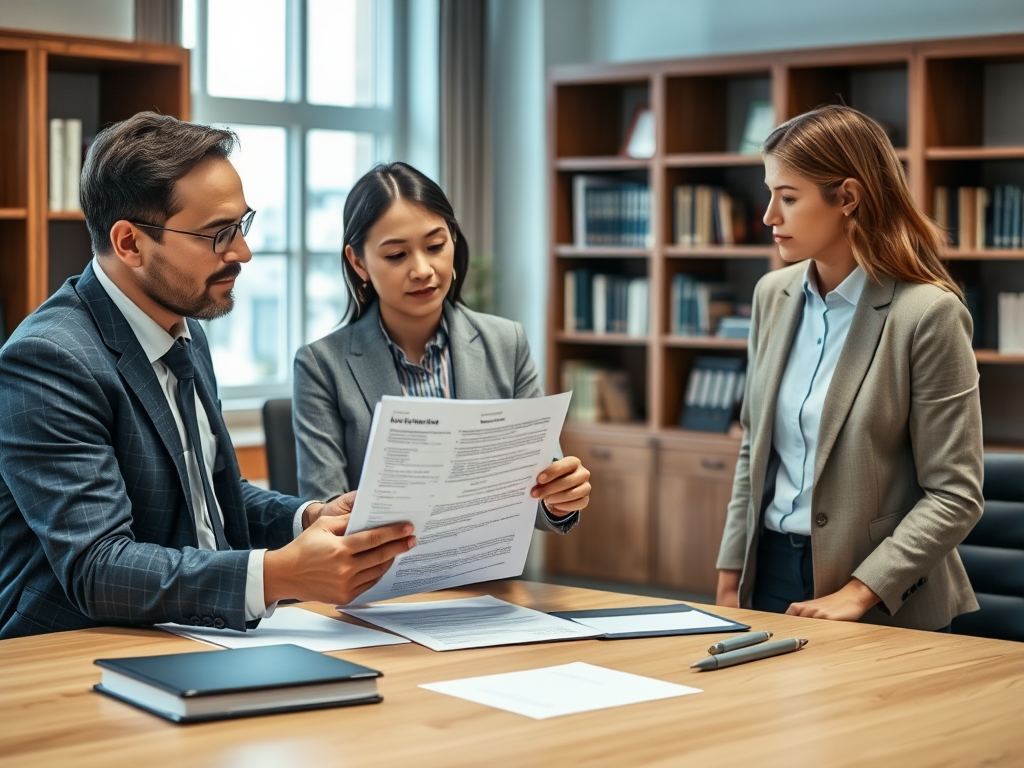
[(281, 465), (993, 553)]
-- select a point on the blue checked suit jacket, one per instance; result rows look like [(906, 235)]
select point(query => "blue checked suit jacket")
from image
[(95, 524)]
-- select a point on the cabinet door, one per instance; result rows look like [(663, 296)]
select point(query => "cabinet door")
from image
[(611, 541), (693, 494)]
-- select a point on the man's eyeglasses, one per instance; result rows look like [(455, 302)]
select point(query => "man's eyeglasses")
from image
[(222, 238)]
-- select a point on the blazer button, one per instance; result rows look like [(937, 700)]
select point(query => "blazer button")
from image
[(196, 621), (821, 519), (207, 621), (218, 623), (921, 581)]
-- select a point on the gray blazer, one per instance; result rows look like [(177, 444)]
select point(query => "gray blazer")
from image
[(340, 378), (898, 472)]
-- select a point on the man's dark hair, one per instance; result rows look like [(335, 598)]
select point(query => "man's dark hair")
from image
[(132, 166)]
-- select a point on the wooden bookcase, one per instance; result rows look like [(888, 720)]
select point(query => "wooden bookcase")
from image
[(953, 109), (44, 77)]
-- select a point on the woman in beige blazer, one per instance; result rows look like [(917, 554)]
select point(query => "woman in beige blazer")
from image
[(860, 468)]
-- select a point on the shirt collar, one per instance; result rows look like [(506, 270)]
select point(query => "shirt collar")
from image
[(850, 289), (155, 340), (439, 341)]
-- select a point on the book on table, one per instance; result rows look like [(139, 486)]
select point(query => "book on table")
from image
[(215, 685)]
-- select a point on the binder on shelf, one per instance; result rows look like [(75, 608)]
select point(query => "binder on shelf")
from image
[(72, 163), (713, 392), (58, 164), (610, 212), (1011, 323)]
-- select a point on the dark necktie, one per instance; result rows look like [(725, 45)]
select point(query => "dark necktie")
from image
[(179, 360)]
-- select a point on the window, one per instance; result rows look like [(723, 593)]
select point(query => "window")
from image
[(307, 87)]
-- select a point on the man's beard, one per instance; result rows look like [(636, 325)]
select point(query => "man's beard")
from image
[(166, 286)]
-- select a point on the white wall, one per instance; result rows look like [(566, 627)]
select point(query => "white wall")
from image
[(93, 18)]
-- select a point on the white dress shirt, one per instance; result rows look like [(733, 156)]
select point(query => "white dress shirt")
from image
[(156, 342), (812, 361)]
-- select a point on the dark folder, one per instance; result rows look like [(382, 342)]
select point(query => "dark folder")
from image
[(730, 626), (213, 685)]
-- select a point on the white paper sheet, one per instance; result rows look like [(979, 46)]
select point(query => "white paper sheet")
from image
[(562, 690), (653, 622), (472, 622), (291, 625), (461, 472)]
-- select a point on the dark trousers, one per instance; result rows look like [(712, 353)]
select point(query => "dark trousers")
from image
[(785, 571)]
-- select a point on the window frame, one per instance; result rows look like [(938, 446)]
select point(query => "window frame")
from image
[(298, 117)]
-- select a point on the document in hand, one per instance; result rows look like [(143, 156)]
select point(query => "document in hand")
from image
[(461, 472)]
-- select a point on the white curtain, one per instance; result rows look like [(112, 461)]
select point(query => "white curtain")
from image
[(158, 21)]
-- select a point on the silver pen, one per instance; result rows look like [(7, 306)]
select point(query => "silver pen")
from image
[(744, 655), (741, 641)]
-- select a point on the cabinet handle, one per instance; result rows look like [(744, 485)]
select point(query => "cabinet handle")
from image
[(714, 464), (600, 453)]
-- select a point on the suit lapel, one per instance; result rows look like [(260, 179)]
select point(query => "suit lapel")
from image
[(854, 361), (783, 322), (135, 369), (469, 358), (370, 360)]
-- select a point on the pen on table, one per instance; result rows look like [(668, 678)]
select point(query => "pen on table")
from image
[(735, 643), (744, 655)]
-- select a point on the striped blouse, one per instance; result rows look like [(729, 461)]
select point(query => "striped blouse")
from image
[(432, 376)]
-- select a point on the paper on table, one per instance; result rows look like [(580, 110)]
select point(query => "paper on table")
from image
[(472, 622), (562, 690), (461, 472), (653, 622), (291, 625)]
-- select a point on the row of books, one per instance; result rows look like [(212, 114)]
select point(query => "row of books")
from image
[(605, 303), (707, 215), (65, 164), (598, 393), (1011, 323), (713, 394), (703, 308), (978, 217), (609, 212)]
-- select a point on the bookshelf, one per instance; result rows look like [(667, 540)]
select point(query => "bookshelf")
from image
[(48, 76), (954, 110)]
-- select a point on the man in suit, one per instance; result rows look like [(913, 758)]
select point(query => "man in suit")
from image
[(120, 497)]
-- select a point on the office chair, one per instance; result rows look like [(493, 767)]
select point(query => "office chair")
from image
[(280, 437), (993, 553)]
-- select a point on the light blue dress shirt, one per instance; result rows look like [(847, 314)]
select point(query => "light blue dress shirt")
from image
[(812, 361)]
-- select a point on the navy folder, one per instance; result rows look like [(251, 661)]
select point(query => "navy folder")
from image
[(731, 626)]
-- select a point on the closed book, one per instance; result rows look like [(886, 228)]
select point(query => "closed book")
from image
[(215, 685), (57, 164)]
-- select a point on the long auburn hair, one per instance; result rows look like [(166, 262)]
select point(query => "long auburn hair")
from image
[(371, 197), (888, 232)]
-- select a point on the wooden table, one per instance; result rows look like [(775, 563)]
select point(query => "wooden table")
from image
[(857, 695)]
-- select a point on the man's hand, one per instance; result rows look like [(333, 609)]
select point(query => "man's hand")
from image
[(564, 487), (728, 594), (323, 564), (339, 506), (848, 604)]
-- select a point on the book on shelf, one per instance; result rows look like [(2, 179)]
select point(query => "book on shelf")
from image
[(980, 217), (707, 215), (610, 212), (1011, 323), (214, 685), (604, 303), (599, 393), (714, 391), (696, 306), (65, 164)]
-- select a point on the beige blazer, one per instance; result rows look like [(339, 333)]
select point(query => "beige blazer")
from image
[(898, 471)]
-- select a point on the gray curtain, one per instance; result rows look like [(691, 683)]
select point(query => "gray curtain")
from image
[(158, 21), (466, 137)]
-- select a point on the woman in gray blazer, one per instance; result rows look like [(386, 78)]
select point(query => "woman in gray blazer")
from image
[(861, 462), (405, 261)]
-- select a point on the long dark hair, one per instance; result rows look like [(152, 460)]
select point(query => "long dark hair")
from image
[(372, 197)]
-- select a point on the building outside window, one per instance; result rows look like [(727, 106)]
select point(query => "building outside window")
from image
[(307, 85)]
